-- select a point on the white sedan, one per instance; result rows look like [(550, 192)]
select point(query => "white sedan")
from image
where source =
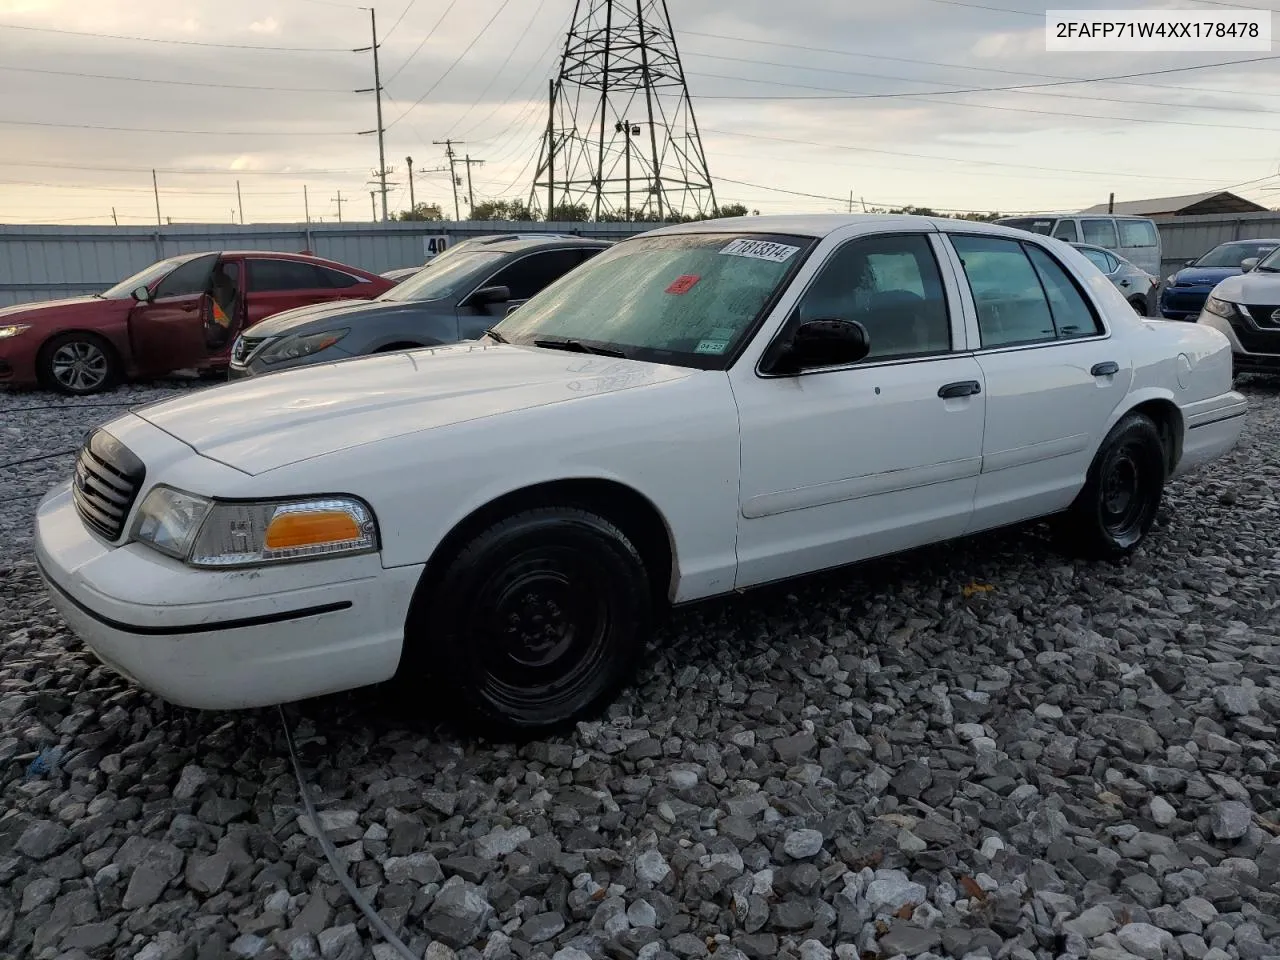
[(701, 409)]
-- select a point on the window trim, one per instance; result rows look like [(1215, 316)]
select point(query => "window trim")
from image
[(966, 294), (939, 256), (575, 248)]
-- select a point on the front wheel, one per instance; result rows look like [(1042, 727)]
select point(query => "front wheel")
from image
[(78, 364), (537, 621), (1122, 493)]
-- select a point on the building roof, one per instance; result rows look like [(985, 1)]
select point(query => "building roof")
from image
[(1214, 201)]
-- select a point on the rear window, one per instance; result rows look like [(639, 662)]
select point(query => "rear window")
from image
[(1137, 233), (1040, 225)]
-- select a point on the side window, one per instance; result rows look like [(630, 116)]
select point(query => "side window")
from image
[(275, 275), (530, 274), (1066, 230), (336, 278), (1137, 233), (1099, 260), (186, 279), (1072, 315), (1113, 263), (893, 287), (1006, 291), (1100, 232)]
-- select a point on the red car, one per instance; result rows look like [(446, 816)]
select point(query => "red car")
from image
[(180, 313)]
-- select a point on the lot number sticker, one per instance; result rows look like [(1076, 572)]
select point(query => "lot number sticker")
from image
[(760, 250), (712, 346)]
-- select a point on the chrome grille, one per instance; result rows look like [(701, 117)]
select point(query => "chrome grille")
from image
[(106, 483), (1266, 316), (246, 346)]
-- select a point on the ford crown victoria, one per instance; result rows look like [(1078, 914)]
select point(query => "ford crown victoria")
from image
[(698, 410)]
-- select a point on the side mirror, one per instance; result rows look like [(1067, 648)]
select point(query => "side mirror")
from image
[(142, 294), (487, 295), (1248, 263), (823, 343)]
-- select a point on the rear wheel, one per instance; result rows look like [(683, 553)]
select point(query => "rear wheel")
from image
[(1121, 495), (78, 364), (1139, 306), (536, 621)]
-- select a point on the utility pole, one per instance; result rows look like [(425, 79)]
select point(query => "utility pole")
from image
[(413, 203), (233, 214), (551, 150), (155, 189), (240, 203), (851, 201), (306, 204), (114, 218), (471, 197), (373, 204), (339, 201), (628, 130), (1111, 204), (448, 152), (376, 90)]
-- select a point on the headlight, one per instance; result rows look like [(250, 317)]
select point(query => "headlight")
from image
[(1221, 308), (293, 348), (13, 330), (210, 533), (1171, 279)]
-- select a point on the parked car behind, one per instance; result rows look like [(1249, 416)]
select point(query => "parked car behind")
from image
[(1185, 291), (1134, 238), (698, 410), (457, 296), (1136, 284), (183, 312), (1246, 307), (400, 275)]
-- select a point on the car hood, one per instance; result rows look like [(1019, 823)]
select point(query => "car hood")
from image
[(267, 422), (1255, 287), (59, 310), (1204, 276), (293, 321)]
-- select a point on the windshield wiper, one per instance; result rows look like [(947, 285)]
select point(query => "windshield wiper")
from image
[(494, 334), (576, 346)]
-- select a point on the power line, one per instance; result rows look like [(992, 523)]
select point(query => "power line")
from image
[(1019, 86), (184, 43), (878, 203), (983, 6), (213, 133), (407, 7), (203, 172), (180, 83), (461, 56), (493, 79), (945, 64), (423, 42)]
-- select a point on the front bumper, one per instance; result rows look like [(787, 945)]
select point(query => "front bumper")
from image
[(1253, 350), (222, 640), (18, 359)]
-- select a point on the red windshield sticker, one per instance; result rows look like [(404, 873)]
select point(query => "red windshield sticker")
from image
[(683, 284)]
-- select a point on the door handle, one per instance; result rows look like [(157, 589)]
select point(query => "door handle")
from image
[(1108, 369), (1124, 283), (962, 388)]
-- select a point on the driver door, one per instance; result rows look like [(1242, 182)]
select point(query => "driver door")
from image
[(844, 463), (168, 331)]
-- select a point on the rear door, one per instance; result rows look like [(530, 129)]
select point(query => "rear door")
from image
[(168, 332), (524, 277), (276, 284)]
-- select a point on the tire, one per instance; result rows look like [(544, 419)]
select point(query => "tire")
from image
[(1121, 496), (537, 621), (78, 364), (1139, 306)]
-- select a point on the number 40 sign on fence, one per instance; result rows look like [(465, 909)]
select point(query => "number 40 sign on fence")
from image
[(433, 246)]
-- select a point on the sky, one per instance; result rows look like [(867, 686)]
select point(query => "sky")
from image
[(97, 93)]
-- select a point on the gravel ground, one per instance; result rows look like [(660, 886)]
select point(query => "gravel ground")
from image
[(976, 750)]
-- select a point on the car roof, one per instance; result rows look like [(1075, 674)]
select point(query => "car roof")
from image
[(1234, 243), (513, 242), (824, 224)]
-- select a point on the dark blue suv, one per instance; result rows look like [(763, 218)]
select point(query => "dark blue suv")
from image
[(1185, 292)]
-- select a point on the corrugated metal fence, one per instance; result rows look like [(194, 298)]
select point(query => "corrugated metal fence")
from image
[(46, 262)]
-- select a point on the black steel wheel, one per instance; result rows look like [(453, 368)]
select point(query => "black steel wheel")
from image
[(78, 364), (537, 621), (1122, 492), (1139, 305)]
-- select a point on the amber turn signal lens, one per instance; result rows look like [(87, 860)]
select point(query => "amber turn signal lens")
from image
[(307, 529)]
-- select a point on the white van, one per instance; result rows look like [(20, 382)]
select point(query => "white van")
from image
[(1134, 238)]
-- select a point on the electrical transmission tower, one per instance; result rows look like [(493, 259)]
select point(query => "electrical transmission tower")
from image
[(621, 136)]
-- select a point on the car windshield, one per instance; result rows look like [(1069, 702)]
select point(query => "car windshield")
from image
[(143, 278), (685, 299), (1271, 264), (443, 277), (1040, 225), (1232, 254)]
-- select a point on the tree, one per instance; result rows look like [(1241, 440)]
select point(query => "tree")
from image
[(501, 210), (423, 211), (568, 213), (927, 212), (731, 210)]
